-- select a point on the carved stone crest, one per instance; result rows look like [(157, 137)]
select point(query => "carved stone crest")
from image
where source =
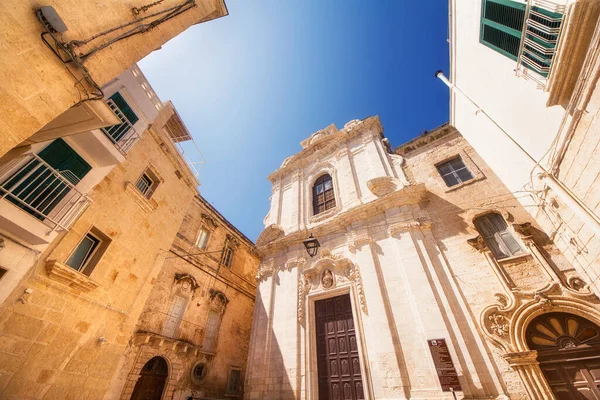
[(327, 279)]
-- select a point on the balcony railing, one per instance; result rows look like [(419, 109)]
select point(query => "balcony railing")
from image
[(123, 135), (539, 41), (47, 194)]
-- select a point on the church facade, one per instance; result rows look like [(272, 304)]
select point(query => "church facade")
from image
[(430, 278)]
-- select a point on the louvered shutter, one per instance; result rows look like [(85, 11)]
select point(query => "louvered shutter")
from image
[(125, 108), (502, 25), (63, 158), (497, 236)]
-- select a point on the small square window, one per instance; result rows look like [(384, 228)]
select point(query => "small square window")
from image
[(89, 251), (235, 380), (147, 183), (202, 239), (228, 257), (454, 171)]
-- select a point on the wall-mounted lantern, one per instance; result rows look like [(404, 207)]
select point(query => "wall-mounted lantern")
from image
[(312, 245)]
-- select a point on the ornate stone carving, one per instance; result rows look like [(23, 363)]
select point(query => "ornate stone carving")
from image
[(478, 243), (354, 276), (208, 221), (217, 299), (523, 229), (187, 282), (327, 279), (294, 262), (232, 240), (330, 270), (383, 185), (502, 300), (498, 324), (543, 300), (406, 226), (303, 288), (265, 270), (355, 241)]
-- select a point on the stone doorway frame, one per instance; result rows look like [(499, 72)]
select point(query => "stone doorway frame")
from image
[(141, 359), (311, 375)]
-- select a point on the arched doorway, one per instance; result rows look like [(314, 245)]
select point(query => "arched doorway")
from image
[(568, 349), (151, 384)]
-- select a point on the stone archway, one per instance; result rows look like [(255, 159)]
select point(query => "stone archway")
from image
[(152, 381), (568, 352)]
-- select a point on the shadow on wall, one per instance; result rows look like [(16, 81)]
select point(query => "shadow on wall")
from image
[(269, 375)]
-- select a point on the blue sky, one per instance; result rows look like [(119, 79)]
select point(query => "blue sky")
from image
[(252, 85)]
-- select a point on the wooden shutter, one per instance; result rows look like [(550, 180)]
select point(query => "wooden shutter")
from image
[(63, 158), (125, 108), (210, 334), (502, 25), (174, 316)]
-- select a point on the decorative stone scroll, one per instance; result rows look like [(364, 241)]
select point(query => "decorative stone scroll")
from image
[(208, 221), (408, 225), (329, 272), (187, 282)]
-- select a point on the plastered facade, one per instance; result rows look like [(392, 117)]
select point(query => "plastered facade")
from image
[(206, 283), (36, 86), (403, 246), (543, 129)]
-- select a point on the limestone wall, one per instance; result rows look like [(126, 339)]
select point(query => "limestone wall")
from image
[(412, 276), (38, 86), (62, 341), (196, 275)]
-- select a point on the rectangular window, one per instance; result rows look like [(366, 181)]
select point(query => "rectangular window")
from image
[(228, 257), (174, 316), (202, 239), (234, 384), (89, 251), (210, 333), (454, 171), (147, 183)]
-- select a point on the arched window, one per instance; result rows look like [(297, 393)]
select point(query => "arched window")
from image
[(499, 239), (323, 196)]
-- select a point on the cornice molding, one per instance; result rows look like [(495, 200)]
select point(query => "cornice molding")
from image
[(412, 194), (316, 151)]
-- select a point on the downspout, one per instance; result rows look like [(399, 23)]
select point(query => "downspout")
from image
[(559, 188)]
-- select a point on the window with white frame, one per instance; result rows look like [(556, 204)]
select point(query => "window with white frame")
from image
[(202, 239), (454, 171), (147, 183), (88, 252), (497, 236)]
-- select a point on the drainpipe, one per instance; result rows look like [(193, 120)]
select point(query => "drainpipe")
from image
[(559, 188)]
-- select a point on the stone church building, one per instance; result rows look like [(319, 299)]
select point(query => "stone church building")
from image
[(430, 277)]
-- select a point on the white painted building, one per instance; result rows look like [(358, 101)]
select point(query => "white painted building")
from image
[(523, 92), (417, 245)]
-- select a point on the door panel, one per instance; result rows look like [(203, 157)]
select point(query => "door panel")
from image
[(574, 379), (338, 365)]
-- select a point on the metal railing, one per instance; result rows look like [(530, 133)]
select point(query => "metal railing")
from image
[(539, 40), (123, 135), (47, 194)]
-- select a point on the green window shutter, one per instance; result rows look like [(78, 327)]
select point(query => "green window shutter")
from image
[(124, 107), (502, 25), (62, 157)]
